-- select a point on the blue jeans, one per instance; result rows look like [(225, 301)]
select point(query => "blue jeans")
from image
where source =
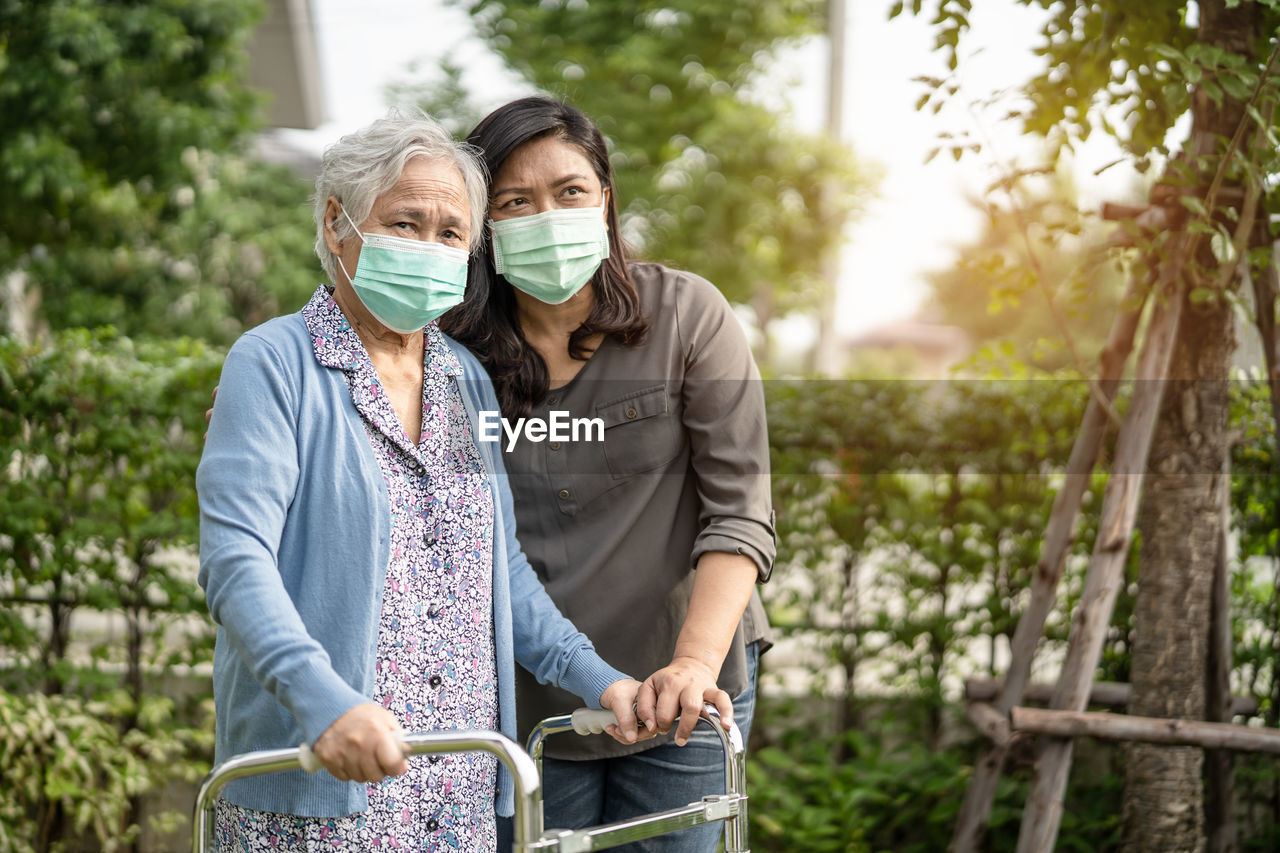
[(580, 794)]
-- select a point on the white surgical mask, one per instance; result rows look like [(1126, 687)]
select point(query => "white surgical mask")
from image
[(551, 255), (406, 283)]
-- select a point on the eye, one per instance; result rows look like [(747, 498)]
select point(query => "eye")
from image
[(403, 226)]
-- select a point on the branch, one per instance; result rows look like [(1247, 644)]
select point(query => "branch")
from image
[(1020, 217)]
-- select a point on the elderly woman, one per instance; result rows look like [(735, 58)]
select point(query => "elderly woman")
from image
[(358, 546), (652, 540)]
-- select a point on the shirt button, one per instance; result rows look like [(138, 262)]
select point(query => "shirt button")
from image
[(555, 445), (435, 681), (631, 413), (433, 825), (551, 401), (564, 494), (434, 759), (434, 612)]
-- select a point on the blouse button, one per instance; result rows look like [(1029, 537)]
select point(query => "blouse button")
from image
[(564, 494), (631, 413), (435, 681), (433, 825), (434, 759)]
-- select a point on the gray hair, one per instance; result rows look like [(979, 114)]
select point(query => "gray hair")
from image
[(363, 165)]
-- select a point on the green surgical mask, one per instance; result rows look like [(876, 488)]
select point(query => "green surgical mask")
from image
[(552, 254), (405, 283)]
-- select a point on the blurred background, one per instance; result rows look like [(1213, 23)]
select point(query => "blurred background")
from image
[(928, 216)]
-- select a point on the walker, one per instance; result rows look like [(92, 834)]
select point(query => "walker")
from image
[(526, 769)]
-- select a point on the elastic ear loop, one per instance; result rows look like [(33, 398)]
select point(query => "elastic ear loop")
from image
[(355, 228)]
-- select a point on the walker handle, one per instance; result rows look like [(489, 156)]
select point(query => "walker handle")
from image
[(311, 763), (587, 721)]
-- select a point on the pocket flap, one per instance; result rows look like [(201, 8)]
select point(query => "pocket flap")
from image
[(635, 406)]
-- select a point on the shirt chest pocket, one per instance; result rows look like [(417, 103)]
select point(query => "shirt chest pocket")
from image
[(641, 432)]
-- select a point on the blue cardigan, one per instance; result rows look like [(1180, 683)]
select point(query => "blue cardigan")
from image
[(294, 544)]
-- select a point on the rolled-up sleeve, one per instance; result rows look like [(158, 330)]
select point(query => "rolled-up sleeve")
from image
[(724, 419)]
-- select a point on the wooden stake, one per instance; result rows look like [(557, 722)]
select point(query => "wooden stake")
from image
[(980, 794), (1043, 813)]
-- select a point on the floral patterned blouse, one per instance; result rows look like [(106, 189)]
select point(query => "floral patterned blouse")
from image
[(435, 667)]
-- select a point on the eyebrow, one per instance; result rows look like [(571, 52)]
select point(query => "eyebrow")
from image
[(567, 179), (417, 215)]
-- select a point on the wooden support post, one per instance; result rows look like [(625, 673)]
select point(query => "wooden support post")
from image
[(1162, 730), (1043, 813), (980, 794)]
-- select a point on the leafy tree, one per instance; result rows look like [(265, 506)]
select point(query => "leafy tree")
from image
[(1039, 282), (1133, 76), (710, 180), (113, 208), (896, 579), (442, 94), (99, 439)]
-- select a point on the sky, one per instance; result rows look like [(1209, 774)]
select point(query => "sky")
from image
[(921, 213)]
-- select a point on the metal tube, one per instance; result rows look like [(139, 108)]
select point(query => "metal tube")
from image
[(528, 787), (735, 777)]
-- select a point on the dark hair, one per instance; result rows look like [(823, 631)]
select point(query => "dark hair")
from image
[(486, 321)]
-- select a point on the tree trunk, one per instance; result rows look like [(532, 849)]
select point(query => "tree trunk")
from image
[(1219, 765), (1181, 517), (1180, 522)]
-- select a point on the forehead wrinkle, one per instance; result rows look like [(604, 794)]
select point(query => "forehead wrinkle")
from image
[(426, 190), (407, 203)]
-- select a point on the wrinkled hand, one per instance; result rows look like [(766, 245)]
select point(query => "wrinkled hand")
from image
[(679, 690), (620, 698), (362, 745)]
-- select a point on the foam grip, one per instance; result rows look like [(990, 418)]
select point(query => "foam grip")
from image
[(591, 722), (307, 759)]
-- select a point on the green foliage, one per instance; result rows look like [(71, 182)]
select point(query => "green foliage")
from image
[(854, 792), (1099, 67), (1038, 287), (68, 759), (232, 248), (711, 181), (100, 100), (99, 440), (440, 93), (880, 790), (910, 516), (112, 207)]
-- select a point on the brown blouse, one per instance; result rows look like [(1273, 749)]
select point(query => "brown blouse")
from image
[(614, 528)]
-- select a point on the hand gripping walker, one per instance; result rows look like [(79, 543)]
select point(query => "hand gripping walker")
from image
[(525, 768)]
